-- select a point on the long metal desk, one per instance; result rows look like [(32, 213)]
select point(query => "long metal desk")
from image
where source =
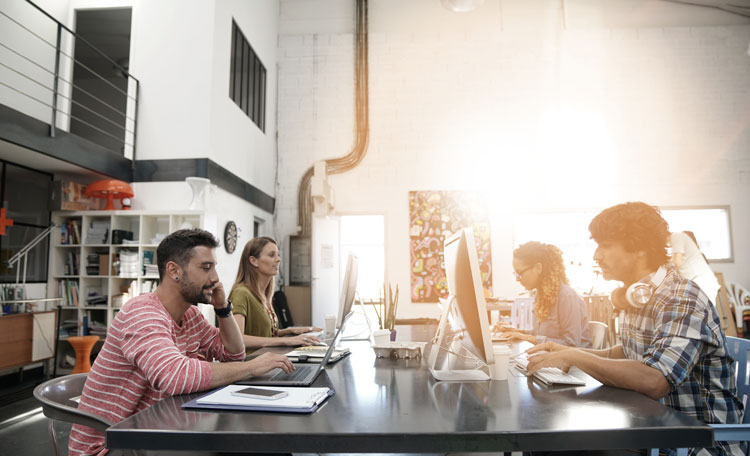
[(387, 405)]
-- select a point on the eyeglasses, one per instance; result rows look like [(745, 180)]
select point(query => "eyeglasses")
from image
[(519, 274)]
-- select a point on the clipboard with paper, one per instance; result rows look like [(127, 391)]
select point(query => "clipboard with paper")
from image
[(297, 400)]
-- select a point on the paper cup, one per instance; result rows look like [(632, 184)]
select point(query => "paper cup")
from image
[(499, 370), (330, 325), (381, 337)]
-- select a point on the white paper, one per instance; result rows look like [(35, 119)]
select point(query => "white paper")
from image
[(303, 397)]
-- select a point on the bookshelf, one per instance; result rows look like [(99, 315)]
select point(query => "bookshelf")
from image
[(100, 259)]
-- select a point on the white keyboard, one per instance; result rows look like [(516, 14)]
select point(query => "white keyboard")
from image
[(550, 375)]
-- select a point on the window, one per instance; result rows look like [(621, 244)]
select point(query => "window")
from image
[(25, 196), (711, 225), (247, 79), (569, 231), (364, 235)]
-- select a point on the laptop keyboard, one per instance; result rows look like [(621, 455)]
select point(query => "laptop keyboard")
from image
[(299, 373)]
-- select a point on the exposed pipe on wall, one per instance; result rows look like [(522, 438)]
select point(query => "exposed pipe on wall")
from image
[(361, 93)]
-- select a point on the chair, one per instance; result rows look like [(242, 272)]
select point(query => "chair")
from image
[(739, 350), (741, 299), (58, 397), (599, 335)]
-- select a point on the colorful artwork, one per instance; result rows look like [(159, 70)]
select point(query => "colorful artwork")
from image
[(433, 216)]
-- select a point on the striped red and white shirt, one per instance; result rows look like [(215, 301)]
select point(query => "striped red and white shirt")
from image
[(145, 358)]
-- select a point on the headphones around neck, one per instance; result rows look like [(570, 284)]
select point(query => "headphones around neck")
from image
[(638, 294)]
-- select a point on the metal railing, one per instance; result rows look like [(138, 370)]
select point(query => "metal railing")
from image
[(35, 71)]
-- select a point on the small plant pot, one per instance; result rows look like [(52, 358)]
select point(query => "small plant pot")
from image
[(393, 335)]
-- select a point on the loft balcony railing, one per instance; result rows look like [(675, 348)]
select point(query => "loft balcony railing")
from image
[(36, 78)]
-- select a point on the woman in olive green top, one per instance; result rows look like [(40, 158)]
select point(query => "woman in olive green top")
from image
[(252, 295)]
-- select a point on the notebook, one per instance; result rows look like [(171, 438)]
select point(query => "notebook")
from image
[(298, 400), (303, 374), (314, 354)]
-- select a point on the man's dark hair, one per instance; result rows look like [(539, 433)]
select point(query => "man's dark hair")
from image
[(178, 247), (637, 226)]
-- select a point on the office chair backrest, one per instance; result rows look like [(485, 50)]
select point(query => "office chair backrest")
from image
[(599, 336), (739, 349), (58, 397)]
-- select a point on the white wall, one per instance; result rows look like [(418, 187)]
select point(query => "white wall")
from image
[(534, 109), (236, 142), (221, 207), (181, 55), (171, 55)]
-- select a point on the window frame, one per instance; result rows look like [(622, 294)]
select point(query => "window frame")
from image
[(247, 78), (44, 272)]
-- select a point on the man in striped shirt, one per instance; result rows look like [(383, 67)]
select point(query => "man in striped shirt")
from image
[(160, 345), (673, 348)]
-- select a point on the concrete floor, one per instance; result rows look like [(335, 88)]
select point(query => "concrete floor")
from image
[(24, 432)]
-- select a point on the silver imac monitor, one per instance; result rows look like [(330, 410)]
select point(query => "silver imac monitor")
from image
[(348, 288), (466, 309)]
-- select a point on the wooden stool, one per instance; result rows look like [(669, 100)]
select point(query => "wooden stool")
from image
[(82, 346)]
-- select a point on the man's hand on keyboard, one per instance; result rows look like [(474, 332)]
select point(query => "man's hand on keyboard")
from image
[(268, 361), (542, 358)]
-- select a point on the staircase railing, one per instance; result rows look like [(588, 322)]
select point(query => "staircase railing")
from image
[(45, 83)]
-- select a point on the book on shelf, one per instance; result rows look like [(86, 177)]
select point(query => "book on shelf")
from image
[(71, 264), (98, 232), (69, 232), (68, 289)]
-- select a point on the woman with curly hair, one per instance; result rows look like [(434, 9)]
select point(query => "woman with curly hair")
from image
[(559, 313)]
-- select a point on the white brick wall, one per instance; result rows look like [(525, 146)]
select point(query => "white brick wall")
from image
[(455, 109)]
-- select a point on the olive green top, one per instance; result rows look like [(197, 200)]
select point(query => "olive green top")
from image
[(258, 320)]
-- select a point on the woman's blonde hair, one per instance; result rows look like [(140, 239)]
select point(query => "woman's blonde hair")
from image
[(247, 274), (553, 274)]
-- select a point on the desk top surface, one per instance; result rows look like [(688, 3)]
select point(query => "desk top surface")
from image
[(394, 405)]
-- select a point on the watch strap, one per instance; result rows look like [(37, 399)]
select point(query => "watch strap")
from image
[(226, 311)]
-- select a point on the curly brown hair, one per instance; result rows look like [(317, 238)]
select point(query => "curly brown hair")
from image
[(637, 226), (553, 274)]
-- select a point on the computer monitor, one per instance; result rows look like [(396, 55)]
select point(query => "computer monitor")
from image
[(348, 288), (466, 310)]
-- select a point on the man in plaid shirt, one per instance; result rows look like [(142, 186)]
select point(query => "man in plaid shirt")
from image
[(673, 348)]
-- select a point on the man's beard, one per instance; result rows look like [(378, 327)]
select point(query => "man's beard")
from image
[(194, 296)]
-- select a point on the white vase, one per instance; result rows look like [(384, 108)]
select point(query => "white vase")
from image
[(200, 186)]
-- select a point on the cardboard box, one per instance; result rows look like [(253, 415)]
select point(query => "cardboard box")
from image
[(104, 264), (70, 196)]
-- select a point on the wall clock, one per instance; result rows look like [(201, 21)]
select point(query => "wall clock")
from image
[(230, 236)]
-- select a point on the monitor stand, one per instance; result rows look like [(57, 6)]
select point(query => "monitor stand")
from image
[(455, 375)]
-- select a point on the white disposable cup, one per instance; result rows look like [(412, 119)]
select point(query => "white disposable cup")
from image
[(330, 325), (381, 337), (499, 370)]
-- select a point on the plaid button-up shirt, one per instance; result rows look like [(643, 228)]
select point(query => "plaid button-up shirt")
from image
[(679, 334)]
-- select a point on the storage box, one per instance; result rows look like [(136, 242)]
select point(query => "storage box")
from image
[(70, 196), (104, 264)]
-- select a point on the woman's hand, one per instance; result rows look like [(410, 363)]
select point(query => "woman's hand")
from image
[(303, 329), (503, 328), (300, 340), (518, 335)]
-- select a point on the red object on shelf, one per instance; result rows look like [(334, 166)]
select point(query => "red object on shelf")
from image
[(110, 189), (82, 346)]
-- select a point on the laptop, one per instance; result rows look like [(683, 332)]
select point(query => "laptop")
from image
[(303, 374)]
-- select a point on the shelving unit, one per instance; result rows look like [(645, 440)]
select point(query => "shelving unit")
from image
[(89, 266)]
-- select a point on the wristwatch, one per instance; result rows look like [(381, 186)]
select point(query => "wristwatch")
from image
[(226, 311)]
